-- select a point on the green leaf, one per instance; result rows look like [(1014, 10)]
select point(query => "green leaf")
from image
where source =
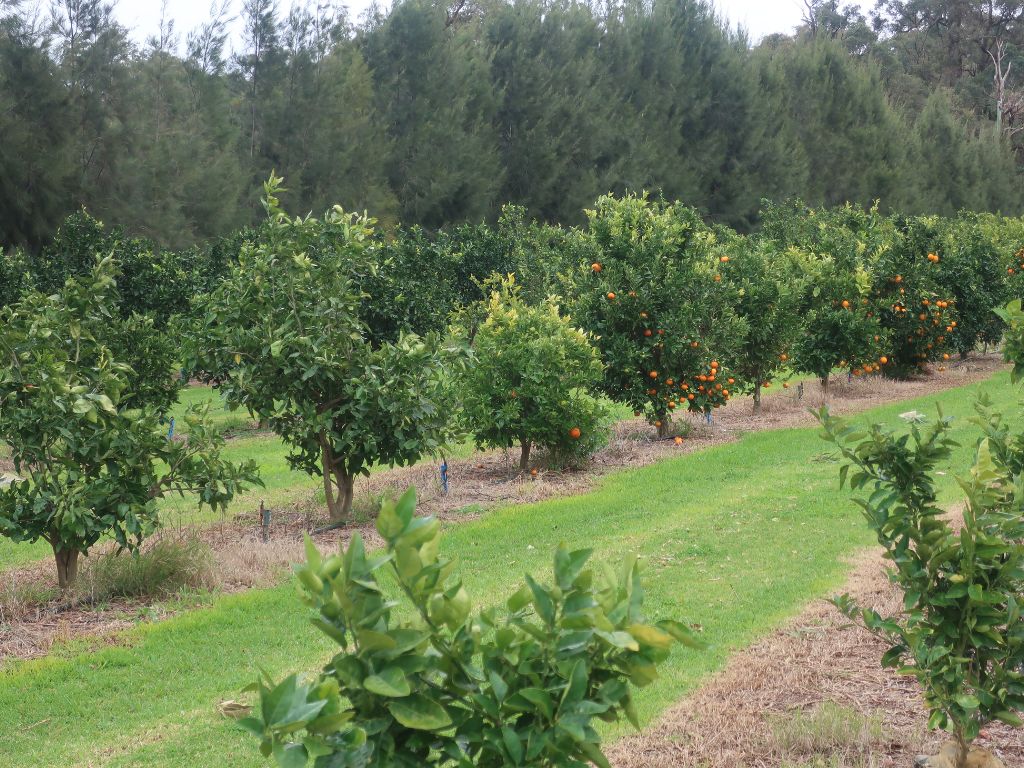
[(290, 755), (389, 682), (420, 712)]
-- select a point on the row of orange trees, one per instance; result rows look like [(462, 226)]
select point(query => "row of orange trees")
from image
[(361, 349), (687, 315)]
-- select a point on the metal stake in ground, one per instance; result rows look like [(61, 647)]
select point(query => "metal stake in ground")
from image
[(265, 522)]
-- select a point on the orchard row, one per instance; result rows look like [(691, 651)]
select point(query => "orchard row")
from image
[(361, 348)]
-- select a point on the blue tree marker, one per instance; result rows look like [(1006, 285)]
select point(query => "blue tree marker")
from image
[(170, 431), (444, 477)]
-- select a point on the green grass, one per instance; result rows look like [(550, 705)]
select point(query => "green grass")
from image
[(737, 538)]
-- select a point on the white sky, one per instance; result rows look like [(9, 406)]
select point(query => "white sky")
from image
[(759, 17)]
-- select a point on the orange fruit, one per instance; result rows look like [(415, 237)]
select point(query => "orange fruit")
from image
[(690, 396), (533, 472), (883, 360), (653, 374), (718, 278), (732, 381), (694, 344), (611, 296), (661, 332), (785, 385), (595, 267), (657, 424), (783, 357), (671, 404), (575, 433), (678, 440), (714, 363), (647, 332), (670, 382), (898, 279), (724, 259), (846, 304), (945, 356)]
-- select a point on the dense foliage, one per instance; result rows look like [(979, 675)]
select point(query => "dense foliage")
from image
[(531, 381), (960, 633), (521, 685), (84, 428), (654, 299), (284, 337), (430, 115)]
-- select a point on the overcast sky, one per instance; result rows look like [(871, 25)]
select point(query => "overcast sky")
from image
[(759, 17)]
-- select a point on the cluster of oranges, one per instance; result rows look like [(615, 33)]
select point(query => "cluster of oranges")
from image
[(1019, 256)]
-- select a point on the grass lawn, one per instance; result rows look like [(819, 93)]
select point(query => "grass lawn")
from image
[(737, 538)]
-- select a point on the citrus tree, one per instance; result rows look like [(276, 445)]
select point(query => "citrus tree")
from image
[(840, 328), (972, 277), (284, 334), (441, 685), (151, 281), (653, 297), (767, 290), (960, 632), (910, 297), (531, 380), (84, 431)]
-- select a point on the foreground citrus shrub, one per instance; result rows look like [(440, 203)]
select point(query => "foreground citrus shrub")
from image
[(960, 633), (530, 382), (516, 686)]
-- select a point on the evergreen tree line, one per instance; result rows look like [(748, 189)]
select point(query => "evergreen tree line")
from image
[(431, 115)]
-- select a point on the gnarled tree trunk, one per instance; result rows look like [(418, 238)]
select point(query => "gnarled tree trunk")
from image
[(339, 485), (67, 565), (757, 397)]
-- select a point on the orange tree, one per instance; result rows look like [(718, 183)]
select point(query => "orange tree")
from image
[(839, 327), (84, 428), (653, 295), (766, 286), (530, 380), (972, 274), (914, 309), (284, 329)]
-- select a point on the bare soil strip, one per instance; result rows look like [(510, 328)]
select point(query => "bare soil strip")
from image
[(28, 627), (743, 716)]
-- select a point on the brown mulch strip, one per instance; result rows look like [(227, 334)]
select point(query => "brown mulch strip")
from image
[(477, 483), (814, 660)]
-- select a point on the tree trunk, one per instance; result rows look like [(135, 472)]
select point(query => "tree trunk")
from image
[(524, 456), (666, 425), (339, 502), (757, 398), (824, 387), (962, 750), (67, 565)]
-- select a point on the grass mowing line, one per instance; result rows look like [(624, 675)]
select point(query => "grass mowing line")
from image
[(738, 538)]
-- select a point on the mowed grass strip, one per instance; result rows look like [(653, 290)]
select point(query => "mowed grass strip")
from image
[(737, 538)]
